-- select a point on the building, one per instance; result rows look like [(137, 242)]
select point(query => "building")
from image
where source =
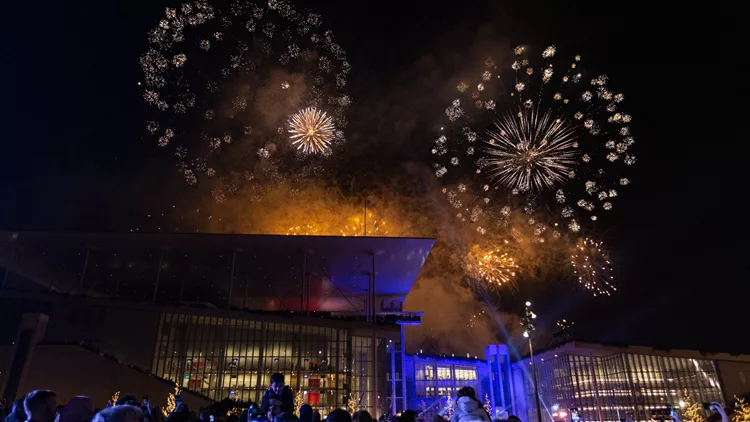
[(218, 314), (431, 379), (215, 314), (612, 383)]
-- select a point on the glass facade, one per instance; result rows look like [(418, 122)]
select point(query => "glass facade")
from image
[(225, 357), (438, 378), (619, 386)]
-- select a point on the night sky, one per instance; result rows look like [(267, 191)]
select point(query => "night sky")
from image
[(74, 154)]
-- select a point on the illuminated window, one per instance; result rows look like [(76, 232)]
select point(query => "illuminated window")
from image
[(425, 372), (444, 373), (464, 373)]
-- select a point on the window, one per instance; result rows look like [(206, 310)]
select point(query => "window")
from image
[(426, 372), (444, 373), (464, 373)]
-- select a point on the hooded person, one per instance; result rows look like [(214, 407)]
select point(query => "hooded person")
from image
[(469, 409)]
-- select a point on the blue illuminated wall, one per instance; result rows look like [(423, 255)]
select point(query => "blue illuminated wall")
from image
[(431, 378)]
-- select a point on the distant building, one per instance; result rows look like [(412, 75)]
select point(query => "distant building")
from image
[(611, 383), (430, 379)]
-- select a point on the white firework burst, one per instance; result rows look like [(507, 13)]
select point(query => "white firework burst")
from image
[(311, 131), (531, 152)]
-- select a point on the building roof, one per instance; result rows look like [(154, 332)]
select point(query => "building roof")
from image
[(267, 269), (576, 347)]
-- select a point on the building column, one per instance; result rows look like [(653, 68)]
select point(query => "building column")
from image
[(596, 387), (403, 369), (32, 330)]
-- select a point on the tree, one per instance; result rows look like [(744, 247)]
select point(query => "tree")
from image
[(353, 403), (741, 411), (115, 397), (487, 404), (692, 411), (299, 400), (448, 406), (169, 408)]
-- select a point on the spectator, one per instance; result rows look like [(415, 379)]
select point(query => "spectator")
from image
[(274, 409), (127, 399), (408, 416), (468, 409), (122, 413), (362, 416), (438, 418), (146, 405), (305, 413), (181, 413), (17, 412), (339, 415), (78, 409), (278, 390), (40, 406), (286, 417), (316, 417), (514, 418)]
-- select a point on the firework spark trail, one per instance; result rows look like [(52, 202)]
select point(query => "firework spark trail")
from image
[(311, 131), (592, 267), (531, 152)]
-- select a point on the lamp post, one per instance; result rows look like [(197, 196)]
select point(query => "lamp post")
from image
[(528, 324)]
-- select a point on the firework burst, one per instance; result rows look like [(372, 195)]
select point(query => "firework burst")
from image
[(222, 81), (303, 230), (592, 267), (535, 135), (531, 152), (496, 268), (311, 131), (355, 226)]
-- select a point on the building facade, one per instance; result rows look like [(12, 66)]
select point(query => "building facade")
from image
[(432, 379), (606, 383), (325, 312)]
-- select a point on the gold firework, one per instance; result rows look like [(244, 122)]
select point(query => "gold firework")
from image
[(356, 226), (311, 131), (495, 267), (591, 265), (303, 230)]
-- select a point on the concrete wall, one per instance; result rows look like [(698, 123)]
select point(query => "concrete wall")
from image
[(71, 370), (735, 378)]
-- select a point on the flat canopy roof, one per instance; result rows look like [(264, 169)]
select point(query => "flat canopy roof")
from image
[(268, 270)]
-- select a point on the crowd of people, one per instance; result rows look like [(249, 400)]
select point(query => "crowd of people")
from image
[(277, 405)]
